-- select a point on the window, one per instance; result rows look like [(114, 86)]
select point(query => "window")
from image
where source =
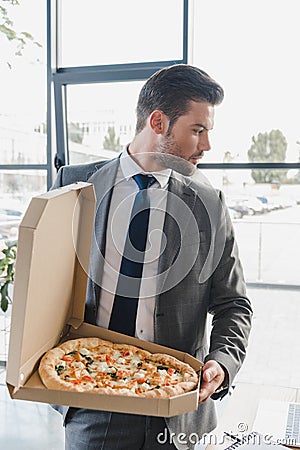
[(96, 115), (255, 144), (117, 32), (250, 48), (107, 42), (24, 167)]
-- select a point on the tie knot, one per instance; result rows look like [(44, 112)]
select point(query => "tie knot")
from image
[(144, 181)]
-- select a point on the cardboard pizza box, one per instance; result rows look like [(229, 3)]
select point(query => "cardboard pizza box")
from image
[(49, 300)]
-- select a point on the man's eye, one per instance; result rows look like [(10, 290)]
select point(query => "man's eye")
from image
[(198, 131)]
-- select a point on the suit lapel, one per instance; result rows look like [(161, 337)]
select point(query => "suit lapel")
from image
[(181, 199)]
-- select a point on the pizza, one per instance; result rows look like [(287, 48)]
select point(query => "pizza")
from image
[(99, 366)]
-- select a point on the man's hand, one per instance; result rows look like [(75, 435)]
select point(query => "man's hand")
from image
[(213, 376)]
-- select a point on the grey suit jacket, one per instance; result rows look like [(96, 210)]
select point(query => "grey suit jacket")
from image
[(199, 273)]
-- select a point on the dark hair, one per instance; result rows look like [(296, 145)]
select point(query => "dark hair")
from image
[(171, 89)]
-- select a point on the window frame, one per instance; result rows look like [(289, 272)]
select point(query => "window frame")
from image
[(61, 77)]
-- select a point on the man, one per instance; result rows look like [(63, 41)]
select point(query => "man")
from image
[(187, 267)]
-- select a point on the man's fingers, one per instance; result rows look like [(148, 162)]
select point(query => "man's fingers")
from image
[(207, 375), (210, 374), (212, 378), (207, 389)]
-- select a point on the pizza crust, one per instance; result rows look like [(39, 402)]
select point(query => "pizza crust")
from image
[(174, 376)]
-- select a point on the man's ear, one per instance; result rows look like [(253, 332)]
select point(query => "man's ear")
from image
[(159, 122)]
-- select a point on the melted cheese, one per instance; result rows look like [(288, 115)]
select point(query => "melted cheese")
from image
[(117, 370)]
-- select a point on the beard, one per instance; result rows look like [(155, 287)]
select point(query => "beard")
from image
[(168, 156)]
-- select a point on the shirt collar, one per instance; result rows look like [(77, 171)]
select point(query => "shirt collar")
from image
[(130, 168)]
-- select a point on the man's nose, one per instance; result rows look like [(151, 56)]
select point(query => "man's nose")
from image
[(204, 142)]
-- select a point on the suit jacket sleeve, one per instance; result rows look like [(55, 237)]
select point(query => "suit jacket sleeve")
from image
[(229, 306)]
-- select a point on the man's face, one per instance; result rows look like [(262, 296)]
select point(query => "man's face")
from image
[(183, 147)]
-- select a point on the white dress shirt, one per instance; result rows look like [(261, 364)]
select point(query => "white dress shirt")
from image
[(123, 195)]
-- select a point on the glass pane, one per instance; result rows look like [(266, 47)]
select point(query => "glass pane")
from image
[(99, 124), (23, 87), (120, 31), (17, 187), (253, 55), (266, 219), (20, 144), (275, 332)]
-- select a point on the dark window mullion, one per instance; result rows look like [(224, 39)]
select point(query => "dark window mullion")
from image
[(115, 73), (250, 165), (24, 167), (185, 34), (62, 157)]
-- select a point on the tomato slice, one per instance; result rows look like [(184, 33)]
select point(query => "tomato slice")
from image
[(109, 359), (88, 378)]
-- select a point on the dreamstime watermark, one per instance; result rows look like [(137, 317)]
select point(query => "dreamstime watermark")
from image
[(187, 203), (253, 438)]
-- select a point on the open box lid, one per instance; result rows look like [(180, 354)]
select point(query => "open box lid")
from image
[(51, 274)]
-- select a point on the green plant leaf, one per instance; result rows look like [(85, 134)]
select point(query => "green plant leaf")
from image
[(7, 272), (4, 303)]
